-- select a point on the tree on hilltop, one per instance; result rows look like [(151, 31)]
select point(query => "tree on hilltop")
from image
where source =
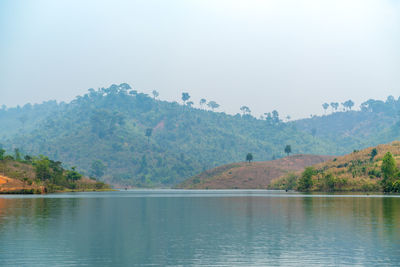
[(202, 102), (249, 157), (185, 97), (348, 104), (288, 149), (213, 105), (334, 106), (325, 106), (155, 94), (245, 110)]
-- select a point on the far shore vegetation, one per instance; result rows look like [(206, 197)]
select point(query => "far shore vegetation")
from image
[(39, 174), (371, 170)]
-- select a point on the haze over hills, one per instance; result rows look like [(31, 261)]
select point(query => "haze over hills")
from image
[(128, 138)]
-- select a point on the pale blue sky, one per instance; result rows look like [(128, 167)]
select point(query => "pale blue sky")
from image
[(288, 55)]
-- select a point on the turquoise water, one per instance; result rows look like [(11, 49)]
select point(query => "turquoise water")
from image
[(199, 228)]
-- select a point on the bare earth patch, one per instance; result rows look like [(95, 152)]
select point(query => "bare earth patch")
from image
[(254, 175)]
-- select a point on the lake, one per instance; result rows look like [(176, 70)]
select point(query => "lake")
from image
[(199, 228)]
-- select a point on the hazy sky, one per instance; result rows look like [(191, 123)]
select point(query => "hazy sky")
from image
[(285, 55)]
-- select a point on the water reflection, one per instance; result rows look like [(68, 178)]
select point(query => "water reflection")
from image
[(243, 230)]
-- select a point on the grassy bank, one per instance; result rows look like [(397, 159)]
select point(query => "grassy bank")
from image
[(374, 169)]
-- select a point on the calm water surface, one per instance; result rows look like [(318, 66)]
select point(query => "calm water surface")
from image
[(199, 228)]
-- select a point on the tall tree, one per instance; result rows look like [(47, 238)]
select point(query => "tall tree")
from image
[(348, 104), (149, 132), (42, 169), (325, 106), (245, 110), (334, 106), (275, 117), (202, 102), (213, 105), (268, 118), (373, 154), (389, 170), (17, 154), (185, 97), (288, 149), (73, 175), (305, 182), (155, 94), (2, 151), (249, 157)]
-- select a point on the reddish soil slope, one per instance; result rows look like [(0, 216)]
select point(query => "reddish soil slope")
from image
[(10, 185), (255, 175)]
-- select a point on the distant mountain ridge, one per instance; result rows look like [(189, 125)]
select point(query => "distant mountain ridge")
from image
[(128, 138)]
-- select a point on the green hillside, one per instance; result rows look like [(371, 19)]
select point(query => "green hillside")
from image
[(377, 122), (371, 169), (128, 138), (103, 133)]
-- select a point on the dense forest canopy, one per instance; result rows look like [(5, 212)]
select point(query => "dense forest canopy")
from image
[(126, 137)]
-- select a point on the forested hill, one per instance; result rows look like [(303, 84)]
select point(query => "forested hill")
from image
[(124, 137), (377, 122)]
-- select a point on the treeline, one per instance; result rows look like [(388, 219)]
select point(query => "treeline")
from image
[(390, 106), (41, 170)]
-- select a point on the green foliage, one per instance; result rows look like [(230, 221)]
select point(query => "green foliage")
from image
[(185, 97), (42, 168), (396, 186), (213, 105), (329, 181), (249, 157), (373, 154), (54, 176), (332, 183), (245, 110), (291, 182), (149, 132), (288, 149), (305, 182), (8, 157), (325, 106), (388, 168), (2, 151), (389, 171), (73, 175), (97, 169), (17, 154)]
